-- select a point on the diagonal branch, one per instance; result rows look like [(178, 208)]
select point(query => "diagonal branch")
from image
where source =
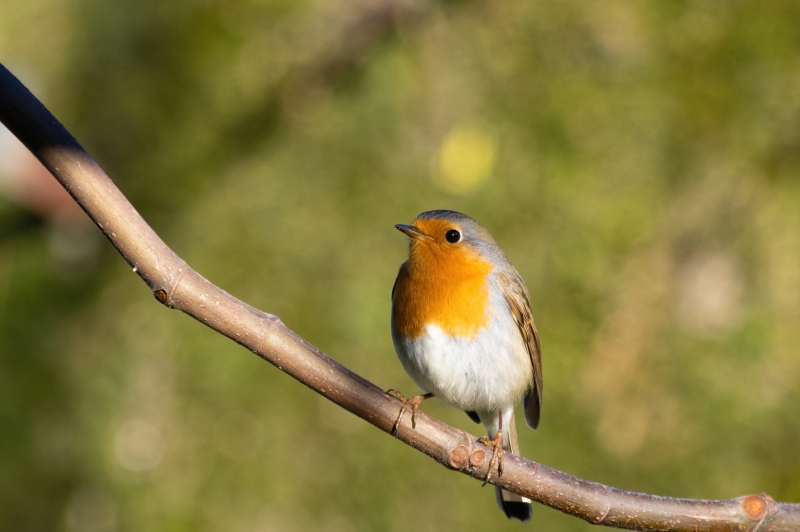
[(177, 286)]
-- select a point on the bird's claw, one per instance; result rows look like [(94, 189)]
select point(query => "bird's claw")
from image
[(413, 401), (497, 454)]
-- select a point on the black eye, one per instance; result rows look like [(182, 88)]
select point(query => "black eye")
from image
[(452, 236)]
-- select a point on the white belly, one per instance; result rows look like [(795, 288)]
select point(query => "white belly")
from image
[(488, 372)]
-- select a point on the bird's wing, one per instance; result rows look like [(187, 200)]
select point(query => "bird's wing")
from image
[(519, 302)]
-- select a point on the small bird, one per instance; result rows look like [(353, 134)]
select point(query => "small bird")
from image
[(462, 328)]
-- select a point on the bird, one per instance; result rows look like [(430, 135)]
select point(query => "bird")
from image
[(463, 331)]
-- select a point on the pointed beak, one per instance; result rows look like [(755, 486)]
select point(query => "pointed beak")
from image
[(412, 231)]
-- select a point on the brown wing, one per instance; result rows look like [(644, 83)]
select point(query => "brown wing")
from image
[(519, 302)]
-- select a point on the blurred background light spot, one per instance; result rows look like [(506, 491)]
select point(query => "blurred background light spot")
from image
[(465, 159), (90, 511), (138, 446), (710, 289)]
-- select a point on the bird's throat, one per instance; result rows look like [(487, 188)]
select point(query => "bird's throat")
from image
[(443, 287)]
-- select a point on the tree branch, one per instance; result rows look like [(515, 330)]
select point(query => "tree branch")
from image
[(177, 286)]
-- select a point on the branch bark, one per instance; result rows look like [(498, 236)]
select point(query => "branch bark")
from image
[(177, 286)]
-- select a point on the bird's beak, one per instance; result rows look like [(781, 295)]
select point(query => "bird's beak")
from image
[(412, 231)]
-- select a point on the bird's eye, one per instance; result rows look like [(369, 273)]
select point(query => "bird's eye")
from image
[(452, 236)]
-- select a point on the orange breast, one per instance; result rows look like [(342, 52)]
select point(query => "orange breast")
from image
[(443, 285)]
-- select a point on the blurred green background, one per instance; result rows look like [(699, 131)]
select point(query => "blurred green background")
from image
[(637, 161)]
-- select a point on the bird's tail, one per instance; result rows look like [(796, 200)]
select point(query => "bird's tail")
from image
[(513, 505)]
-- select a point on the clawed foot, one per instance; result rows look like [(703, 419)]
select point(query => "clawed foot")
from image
[(497, 454), (414, 402)]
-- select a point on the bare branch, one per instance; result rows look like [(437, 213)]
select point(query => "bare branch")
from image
[(177, 286)]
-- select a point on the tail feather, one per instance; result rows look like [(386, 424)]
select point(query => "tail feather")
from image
[(513, 505)]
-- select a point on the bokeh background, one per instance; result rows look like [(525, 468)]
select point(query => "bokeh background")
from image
[(638, 161)]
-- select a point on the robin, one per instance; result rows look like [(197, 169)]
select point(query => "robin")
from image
[(462, 328)]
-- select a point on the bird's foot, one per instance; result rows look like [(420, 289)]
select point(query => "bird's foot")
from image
[(497, 454), (413, 401)]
